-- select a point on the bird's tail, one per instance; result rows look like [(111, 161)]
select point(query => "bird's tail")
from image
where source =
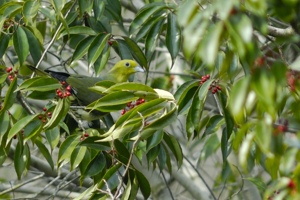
[(61, 76)]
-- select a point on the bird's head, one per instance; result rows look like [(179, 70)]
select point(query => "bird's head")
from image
[(123, 69)]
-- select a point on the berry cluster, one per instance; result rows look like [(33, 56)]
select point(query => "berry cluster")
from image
[(7, 24), (131, 105), (12, 73), (85, 135), (64, 91), (204, 79), (45, 115), (214, 88)]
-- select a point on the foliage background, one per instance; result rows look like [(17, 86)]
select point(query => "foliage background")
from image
[(239, 141)]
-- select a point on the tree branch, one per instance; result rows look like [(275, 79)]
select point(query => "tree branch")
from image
[(280, 32)]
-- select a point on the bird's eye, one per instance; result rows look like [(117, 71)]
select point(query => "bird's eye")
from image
[(127, 64)]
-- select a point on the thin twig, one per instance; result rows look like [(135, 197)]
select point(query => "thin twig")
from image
[(200, 176), (21, 184), (167, 185), (53, 39)]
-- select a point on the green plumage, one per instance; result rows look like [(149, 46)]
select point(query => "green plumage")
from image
[(80, 84)]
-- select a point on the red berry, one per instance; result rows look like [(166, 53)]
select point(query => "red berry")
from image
[(81, 138), (110, 43), (128, 104), (218, 87), (10, 76), (63, 82), (207, 76), (86, 135), (44, 109), (203, 79), (142, 100), (123, 112), (8, 70), (291, 185), (44, 121), (58, 91), (68, 93), (68, 88), (40, 116), (49, 114)]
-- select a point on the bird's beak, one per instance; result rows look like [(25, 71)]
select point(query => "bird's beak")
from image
[(139, 69)]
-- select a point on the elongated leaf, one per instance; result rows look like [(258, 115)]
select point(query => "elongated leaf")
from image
[(33, 128), (175, 147), (154, 140), (21, 159), (109, 173), (100, 63), (21, 44), (97, 47), (85, 6), (82, 48), (112, 99), (34, 46), (30, 9), (41, 84), (98, 8), (136, 52), (19, 125), (173, 36), (60, 111), (43, 149), (144, 184), (4, 40), (113, 9), (122, 152), (77, 30), (96, 165), (77, 156), (130, 86), (4, 119), (152, 38), (52, 136), (67, 147), (147, 26), (145, 14), (122, 49)]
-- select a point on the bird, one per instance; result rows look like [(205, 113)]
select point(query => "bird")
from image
[(79, 84)]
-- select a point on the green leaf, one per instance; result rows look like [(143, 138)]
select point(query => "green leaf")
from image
[(152, 38), (53, 136), (19, 125), (82, 48), (175, 147), (85, 6), (102, 60), (21, 44), (154, 140), (58, 4), (97, 47), (77, 30), (113, 8), (4, 40), (122, 152), (144, 184), (162, 158), (183, 94), (145, 14), (77, 156), (237, 99), (98, 8), (173, 36), (43, 149), (59, 113), (136, 52), (34, 46), (109, 173), (32, 128), (258, 183), (113, 99), (41, 84), (147, 26), (122, 49), (4, 119), (130, 86), (10, 96), (209, 47), (21, 158), (30, 10), (67, 147)]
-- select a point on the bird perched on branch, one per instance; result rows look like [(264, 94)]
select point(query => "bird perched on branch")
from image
[(79, 84)]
